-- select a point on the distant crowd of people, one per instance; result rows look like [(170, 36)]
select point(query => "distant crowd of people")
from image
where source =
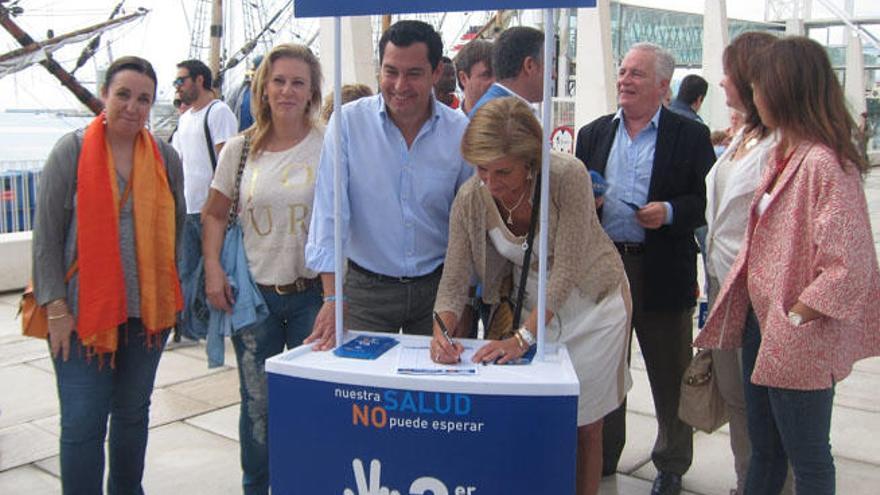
[(125, 221)]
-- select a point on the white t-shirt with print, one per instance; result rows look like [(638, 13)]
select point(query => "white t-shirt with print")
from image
[(192, 146), (275, 205)]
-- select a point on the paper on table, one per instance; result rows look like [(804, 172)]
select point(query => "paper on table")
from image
[(417, 361)]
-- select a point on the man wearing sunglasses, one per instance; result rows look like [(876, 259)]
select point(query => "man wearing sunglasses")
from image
[(201, 132)]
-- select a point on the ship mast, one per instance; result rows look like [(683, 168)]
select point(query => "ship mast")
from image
[(66, 78), (216, 37)]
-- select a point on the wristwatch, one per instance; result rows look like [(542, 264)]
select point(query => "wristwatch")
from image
[(795, 318), (527, 336)]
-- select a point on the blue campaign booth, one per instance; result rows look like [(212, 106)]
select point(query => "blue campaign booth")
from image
[(346, 424), (357, 427)]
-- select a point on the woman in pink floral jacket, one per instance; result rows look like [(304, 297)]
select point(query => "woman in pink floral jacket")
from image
[(801, 297)]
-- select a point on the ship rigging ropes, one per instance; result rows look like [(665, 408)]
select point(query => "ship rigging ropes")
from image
[(17, 60), (246, 25)]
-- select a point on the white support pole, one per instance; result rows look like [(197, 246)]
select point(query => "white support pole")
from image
[(715, 38), (854, 85), (794, 25), (547, 110), (564, 35), (595, 86), (338, 267)]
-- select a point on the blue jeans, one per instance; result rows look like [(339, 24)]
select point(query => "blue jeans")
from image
[(290, 320), (190, 254), (785, 425), (90, 389)]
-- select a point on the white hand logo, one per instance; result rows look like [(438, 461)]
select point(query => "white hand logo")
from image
[(375, 485)]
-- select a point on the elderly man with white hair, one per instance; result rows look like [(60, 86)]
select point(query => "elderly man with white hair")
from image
[(654, 162)]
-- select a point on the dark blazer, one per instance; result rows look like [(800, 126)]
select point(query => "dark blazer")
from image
[(682, 156)]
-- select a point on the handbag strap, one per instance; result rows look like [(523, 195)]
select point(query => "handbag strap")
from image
[(233, 210), (527, 257), (208, 139)]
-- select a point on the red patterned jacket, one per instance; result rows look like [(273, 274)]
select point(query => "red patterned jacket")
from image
[(814, 244)]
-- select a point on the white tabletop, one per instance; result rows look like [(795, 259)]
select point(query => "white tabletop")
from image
[(554, 376)]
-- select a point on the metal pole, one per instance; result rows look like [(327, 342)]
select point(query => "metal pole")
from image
[(547, 110), (337, 178)]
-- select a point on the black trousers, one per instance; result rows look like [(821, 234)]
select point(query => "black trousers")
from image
[(665, 339)]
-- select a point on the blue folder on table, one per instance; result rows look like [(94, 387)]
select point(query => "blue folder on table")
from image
[(365, 347)]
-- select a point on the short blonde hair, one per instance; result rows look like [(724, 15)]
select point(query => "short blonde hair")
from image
[(503, 128)]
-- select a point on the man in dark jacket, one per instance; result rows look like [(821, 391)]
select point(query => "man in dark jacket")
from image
[(654, 162)]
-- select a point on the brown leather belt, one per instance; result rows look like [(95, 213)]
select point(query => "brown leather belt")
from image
[(298, 285), (630, 247), (387, 278)]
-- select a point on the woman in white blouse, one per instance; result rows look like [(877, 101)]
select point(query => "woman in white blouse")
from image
[(730, 185), (275, 203)]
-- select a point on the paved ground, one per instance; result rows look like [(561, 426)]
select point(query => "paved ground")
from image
[(193, 445)]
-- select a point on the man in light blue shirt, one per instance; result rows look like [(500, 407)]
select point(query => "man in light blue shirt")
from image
[(401, 168), (655, 163), (629, 190)]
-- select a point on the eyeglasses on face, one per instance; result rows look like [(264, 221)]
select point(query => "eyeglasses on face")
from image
[(179, 81)]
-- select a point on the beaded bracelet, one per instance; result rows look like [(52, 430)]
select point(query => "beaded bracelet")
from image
[(333, 298)]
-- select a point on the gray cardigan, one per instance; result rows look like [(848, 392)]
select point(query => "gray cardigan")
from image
[(580, 255), (54, 234)]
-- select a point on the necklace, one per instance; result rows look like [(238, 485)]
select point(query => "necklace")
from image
[(749, 140), (514, 207), (782, 162)]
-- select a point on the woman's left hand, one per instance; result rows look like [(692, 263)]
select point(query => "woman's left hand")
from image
[(807, 313), (500, 351)]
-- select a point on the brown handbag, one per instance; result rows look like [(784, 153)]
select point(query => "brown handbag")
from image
[(501, 320), (701, 404), (34, 319)]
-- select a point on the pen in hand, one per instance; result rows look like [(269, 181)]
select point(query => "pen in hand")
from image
[(444, 330)]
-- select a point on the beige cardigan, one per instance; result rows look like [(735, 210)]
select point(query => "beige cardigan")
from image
[(580, 254)]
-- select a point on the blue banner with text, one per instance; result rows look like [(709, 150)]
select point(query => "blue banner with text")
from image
[(341, 8), (332, 438)]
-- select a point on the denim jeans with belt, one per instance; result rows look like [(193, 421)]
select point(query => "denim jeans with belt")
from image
[(785, 426), (90, 389), (290, 320)]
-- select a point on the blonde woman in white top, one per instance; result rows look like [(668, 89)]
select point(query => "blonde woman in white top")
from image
[(730, 185), (275, 198)]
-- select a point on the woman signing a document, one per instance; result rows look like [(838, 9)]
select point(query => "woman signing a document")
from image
[(588, 302)]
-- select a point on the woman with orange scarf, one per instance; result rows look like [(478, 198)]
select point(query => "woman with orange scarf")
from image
[(109, 210)]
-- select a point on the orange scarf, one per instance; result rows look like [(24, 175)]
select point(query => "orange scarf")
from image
[(102, 302)]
